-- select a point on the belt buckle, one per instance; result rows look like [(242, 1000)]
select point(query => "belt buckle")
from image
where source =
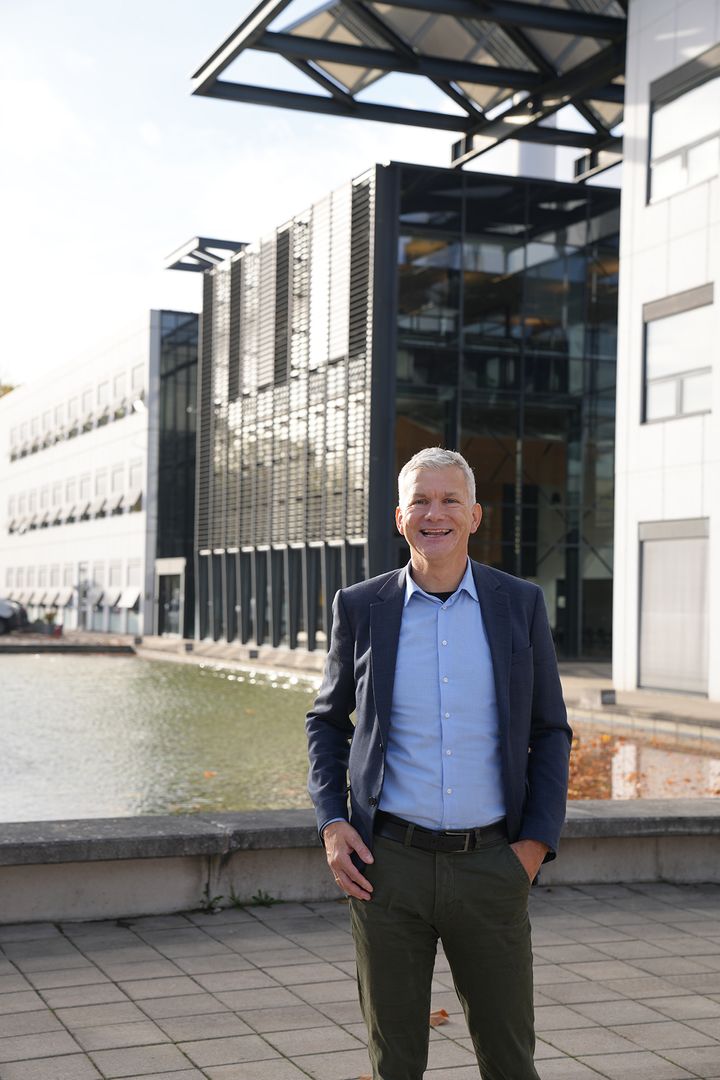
[(469, 835)]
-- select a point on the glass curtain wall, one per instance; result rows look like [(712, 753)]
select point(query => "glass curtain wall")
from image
[(506, 343)]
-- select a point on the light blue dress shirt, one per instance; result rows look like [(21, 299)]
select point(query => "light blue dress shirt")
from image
[(442, 764)]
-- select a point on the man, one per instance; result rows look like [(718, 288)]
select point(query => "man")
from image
[(458, 778)]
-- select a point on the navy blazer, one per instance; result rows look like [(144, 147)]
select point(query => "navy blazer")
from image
[(359, 676)]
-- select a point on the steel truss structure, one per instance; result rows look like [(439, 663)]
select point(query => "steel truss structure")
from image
[(505, 67)]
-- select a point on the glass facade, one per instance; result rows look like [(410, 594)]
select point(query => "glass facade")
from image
[(176, 450), (415, 307), (506, 339)]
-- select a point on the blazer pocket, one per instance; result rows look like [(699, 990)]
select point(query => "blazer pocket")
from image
[(522, 655)]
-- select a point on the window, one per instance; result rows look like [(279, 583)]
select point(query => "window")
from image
[(84, 488), (70, 489), (73, 408), (47, 420), (117, 478), (8, 577), (44, 498), (119, 386), (32, 502), (11, 506), (57, 493), (68, 575), (20, 576), (101, 483), (136, 474), (87, 402), (22, 504), (30, 577), (59, 416), (678, 333), (35, 426), (137, 378), (103, 394), (43, 576), (685, 132), (55, 575)]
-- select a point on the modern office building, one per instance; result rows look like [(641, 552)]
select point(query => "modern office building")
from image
[(97, 483), (415, 306), (667, 522)]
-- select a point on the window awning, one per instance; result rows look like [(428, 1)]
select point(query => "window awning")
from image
[(70, 511), (64, 597), (84, 507), (31, 596), (132, 499), (51, 597), (95, 596), (21, 596), (129, 597), (10, 594), (57, 515), (12, 524), (45, 517), (41, 596), (112, 596), (97, 505), (115, 501)]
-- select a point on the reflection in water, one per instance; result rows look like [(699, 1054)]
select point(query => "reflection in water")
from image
[(99, 736), (606, 766)]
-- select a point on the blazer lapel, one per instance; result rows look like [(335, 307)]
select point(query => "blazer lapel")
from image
[(495, 608), (385, 618)]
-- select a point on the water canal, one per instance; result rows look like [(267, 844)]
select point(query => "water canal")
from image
[(111, 736)]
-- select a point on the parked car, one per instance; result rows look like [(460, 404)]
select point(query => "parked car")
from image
[(13, 616)]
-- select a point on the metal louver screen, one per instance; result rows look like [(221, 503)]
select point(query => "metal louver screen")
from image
[(205, 425), (282, 307), (234, 359)]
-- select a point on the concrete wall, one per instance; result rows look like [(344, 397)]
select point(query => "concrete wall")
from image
[(99, 869), (664, 470)]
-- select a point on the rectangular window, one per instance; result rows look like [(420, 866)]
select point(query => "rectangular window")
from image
[(32, 502), (87, 402), (57, 493), (47, 420), (30, 578), (117, 478), (68, 575), (44, 498), (22, 503), (13, 437), (685, 126), (84, 487), (43, 576), (59, 416), (134, 569), (115, 574), (119, 386), (70, 490), (678, 358), (20, 577), (73, 409), (103, 394), (11, 506), (35, 426), (101, 483), (55, 575), (136, 475), (137, 378)]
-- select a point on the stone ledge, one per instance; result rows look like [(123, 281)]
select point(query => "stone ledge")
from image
[(172, 836)]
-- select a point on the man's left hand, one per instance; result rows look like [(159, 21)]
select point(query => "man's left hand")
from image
[(531, 854)]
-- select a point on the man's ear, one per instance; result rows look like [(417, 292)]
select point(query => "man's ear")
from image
[(399, 520), (476, 517)]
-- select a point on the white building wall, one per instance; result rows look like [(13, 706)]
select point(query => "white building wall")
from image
[(119, 446), (668, 470)]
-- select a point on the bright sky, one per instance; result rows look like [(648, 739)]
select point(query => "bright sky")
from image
[(108, 164)]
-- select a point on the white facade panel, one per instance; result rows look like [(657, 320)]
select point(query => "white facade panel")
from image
[(74, 490), (666, 470)]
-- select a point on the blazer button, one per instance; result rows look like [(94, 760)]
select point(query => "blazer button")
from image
[(373, 801)]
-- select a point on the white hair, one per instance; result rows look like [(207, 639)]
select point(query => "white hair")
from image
[(434, 457)]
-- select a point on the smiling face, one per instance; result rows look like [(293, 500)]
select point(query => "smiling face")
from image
[(436, 518)]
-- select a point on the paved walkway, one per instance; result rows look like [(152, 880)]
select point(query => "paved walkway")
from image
[(627, 978)]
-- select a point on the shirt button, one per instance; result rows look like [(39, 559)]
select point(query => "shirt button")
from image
[(445, 678), (448, 752), (447, 715), (449, 790), (444, 642)]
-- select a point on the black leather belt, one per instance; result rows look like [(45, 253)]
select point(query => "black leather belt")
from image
[(447, 841)]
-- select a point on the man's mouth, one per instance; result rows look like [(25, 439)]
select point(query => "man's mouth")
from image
[(436, 532)]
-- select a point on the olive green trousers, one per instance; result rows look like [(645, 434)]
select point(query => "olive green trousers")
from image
[(476, 904)]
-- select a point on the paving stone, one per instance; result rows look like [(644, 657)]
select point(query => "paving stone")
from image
[(228, 1051), (204, 965), (186, 1005), (27, 1023), (342, 1012), (113, 1036), (275, 1069), (565, 1069), (160, 922), (14, 932), (269, 958), (293, 1017), (589, 1040), (184, 1074), (650, 986), (631, 950), (79, 976), (708, 1027), (71, 1067), (552, 973), (671, 965), (688, 1007), (38, 1044), (571, 993), (248, 979), (637, 1066), (243, 1000), (207, 1026), (68, 958), (606, 970), (219, 918), (550, 1017), (617, 1012), (663, 1036), (318, 993), (175, 986), (139, 1061), (698, 1059), (22, 1001), (314, 1040), (343, 1065), (13, 982), (145, 969), (567, 954), (135, 954), (121, 1012), (95, 994), (298, 974)]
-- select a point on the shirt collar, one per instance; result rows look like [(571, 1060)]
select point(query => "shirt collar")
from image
[(467, 583)]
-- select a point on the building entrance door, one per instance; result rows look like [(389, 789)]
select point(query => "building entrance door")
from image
[(169, 604)]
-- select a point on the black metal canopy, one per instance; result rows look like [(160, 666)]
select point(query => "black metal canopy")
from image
[(505, 65)]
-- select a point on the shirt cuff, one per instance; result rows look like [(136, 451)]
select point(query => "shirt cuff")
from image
[(329, 822)]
